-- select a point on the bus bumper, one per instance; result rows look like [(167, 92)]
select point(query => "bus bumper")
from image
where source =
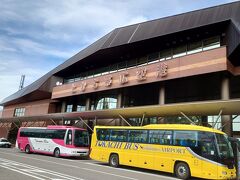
[(227, 174), (78, 153)]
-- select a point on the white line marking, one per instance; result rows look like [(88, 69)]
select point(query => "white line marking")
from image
[(108, 173), (21, 172), (43, 160), (128, 170), (33, 170), (67, 165), (36, 170)]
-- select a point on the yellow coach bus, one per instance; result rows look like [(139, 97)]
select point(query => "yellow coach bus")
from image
[(185, 150)]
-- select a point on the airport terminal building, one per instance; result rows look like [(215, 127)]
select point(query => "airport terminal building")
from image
[(179, 69)]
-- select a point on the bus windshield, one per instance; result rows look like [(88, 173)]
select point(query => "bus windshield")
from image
[(224, 147), (81, 138)]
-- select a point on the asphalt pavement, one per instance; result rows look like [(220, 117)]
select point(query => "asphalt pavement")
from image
[(16, 165)]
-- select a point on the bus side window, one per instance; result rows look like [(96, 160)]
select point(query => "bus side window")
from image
[(185, 138), (137, 136), (103, 134), (160, 137), (69, 137), (154, 136), (118, 135), (166, 137)]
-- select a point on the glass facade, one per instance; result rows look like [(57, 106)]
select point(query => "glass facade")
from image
[(146, 121), (236, 123), (81, 108), (133, 96), (106, 103), (69, 108), (77, 103), (194, 47), (214, 120), (235, 87), (176, 90), (162, 55), (193, 89)]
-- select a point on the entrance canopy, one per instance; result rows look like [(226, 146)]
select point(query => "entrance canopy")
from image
[(203, 108)]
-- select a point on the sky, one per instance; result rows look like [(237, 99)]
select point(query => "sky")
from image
[(37, 36)]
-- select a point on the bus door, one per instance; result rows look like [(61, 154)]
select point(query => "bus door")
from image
[(69, 138), (236, 148), (191, 143), (208, 152)]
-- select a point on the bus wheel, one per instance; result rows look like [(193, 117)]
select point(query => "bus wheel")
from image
[(56, 152), (27, 149), (182, 170), (114, 160)]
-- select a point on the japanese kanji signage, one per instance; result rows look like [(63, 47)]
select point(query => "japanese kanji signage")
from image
[(123, 77)]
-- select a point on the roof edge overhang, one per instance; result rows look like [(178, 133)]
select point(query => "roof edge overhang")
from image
[(202, 108), (36, 95)]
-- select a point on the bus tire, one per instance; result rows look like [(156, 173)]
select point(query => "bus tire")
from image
[(27, 149), (182, 170), (56, 152), (114, 160)]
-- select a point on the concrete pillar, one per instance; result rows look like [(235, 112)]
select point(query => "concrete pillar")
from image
[(225, 95), (161, 101), (88, 104), (63, 106), (225, 89), (119, 100), (161, 95), (118, 122)]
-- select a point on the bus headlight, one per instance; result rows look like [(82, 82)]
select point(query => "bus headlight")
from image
[(224, 172)]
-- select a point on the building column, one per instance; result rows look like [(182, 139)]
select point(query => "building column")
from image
[(119, 100), (88, 104), (63, 106), (118, 122), (161, 99), (225, 95)]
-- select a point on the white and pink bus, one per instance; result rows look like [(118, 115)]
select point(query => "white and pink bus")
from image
[(54, 140)]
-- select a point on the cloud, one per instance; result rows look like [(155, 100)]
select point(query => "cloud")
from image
[(11, 71), (36, 36)]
